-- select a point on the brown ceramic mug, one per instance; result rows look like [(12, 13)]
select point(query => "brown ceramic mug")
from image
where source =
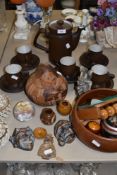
[(24, 54), (13, 76), (100, 76), (67, 65)]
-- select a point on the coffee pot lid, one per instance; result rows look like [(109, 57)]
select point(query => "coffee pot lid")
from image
[(60, 26)]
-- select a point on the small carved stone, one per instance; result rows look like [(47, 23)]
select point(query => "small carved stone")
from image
[(63, 132), (47, 149)]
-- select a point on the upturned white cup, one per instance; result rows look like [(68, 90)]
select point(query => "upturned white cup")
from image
[(67, 65), (99, 69), (95, 48)]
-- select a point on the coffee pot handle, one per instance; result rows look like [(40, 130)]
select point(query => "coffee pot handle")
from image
[(111, 75), (38, 45)]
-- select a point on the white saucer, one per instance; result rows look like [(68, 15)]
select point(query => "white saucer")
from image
[(76, 20), (69, 11)]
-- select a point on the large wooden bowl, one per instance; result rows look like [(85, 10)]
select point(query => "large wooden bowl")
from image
[(90, 139)]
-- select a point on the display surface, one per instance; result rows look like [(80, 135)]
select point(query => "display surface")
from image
[(76, 151)]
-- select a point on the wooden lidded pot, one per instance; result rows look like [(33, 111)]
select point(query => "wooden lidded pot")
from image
[(89, 138)]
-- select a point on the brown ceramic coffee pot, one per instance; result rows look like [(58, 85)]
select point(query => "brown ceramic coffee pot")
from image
[(62, 39)]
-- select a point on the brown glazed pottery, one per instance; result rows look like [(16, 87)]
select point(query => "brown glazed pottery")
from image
[(48, 116), (97, 142)]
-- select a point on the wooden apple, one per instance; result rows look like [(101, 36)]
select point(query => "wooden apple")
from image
[(17, 1)]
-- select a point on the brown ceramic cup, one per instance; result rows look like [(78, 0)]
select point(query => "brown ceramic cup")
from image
[(99, 75), (13, 76), (67, 66), (24, 54)]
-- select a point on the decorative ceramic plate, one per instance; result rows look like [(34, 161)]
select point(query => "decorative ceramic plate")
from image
[(69, 11), (71, 18)]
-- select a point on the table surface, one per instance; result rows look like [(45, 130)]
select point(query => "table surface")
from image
[(74, 152), (4, 35)]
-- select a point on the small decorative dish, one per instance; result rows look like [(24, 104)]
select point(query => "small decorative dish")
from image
[(69, 11), (24, 111)]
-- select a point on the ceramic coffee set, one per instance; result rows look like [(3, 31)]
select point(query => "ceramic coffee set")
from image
[(17, 72), (93, 71)]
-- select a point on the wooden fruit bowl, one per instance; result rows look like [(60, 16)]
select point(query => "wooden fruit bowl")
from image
[(89, 138)]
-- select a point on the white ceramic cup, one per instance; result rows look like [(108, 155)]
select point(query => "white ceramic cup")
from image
[(13, 69), (99, 69), (24, 49), (67, 61)]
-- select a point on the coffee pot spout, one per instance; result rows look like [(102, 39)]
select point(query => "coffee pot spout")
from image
[(76, 37)]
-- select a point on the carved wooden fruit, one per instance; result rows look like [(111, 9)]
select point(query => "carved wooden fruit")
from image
[(40, 133)]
